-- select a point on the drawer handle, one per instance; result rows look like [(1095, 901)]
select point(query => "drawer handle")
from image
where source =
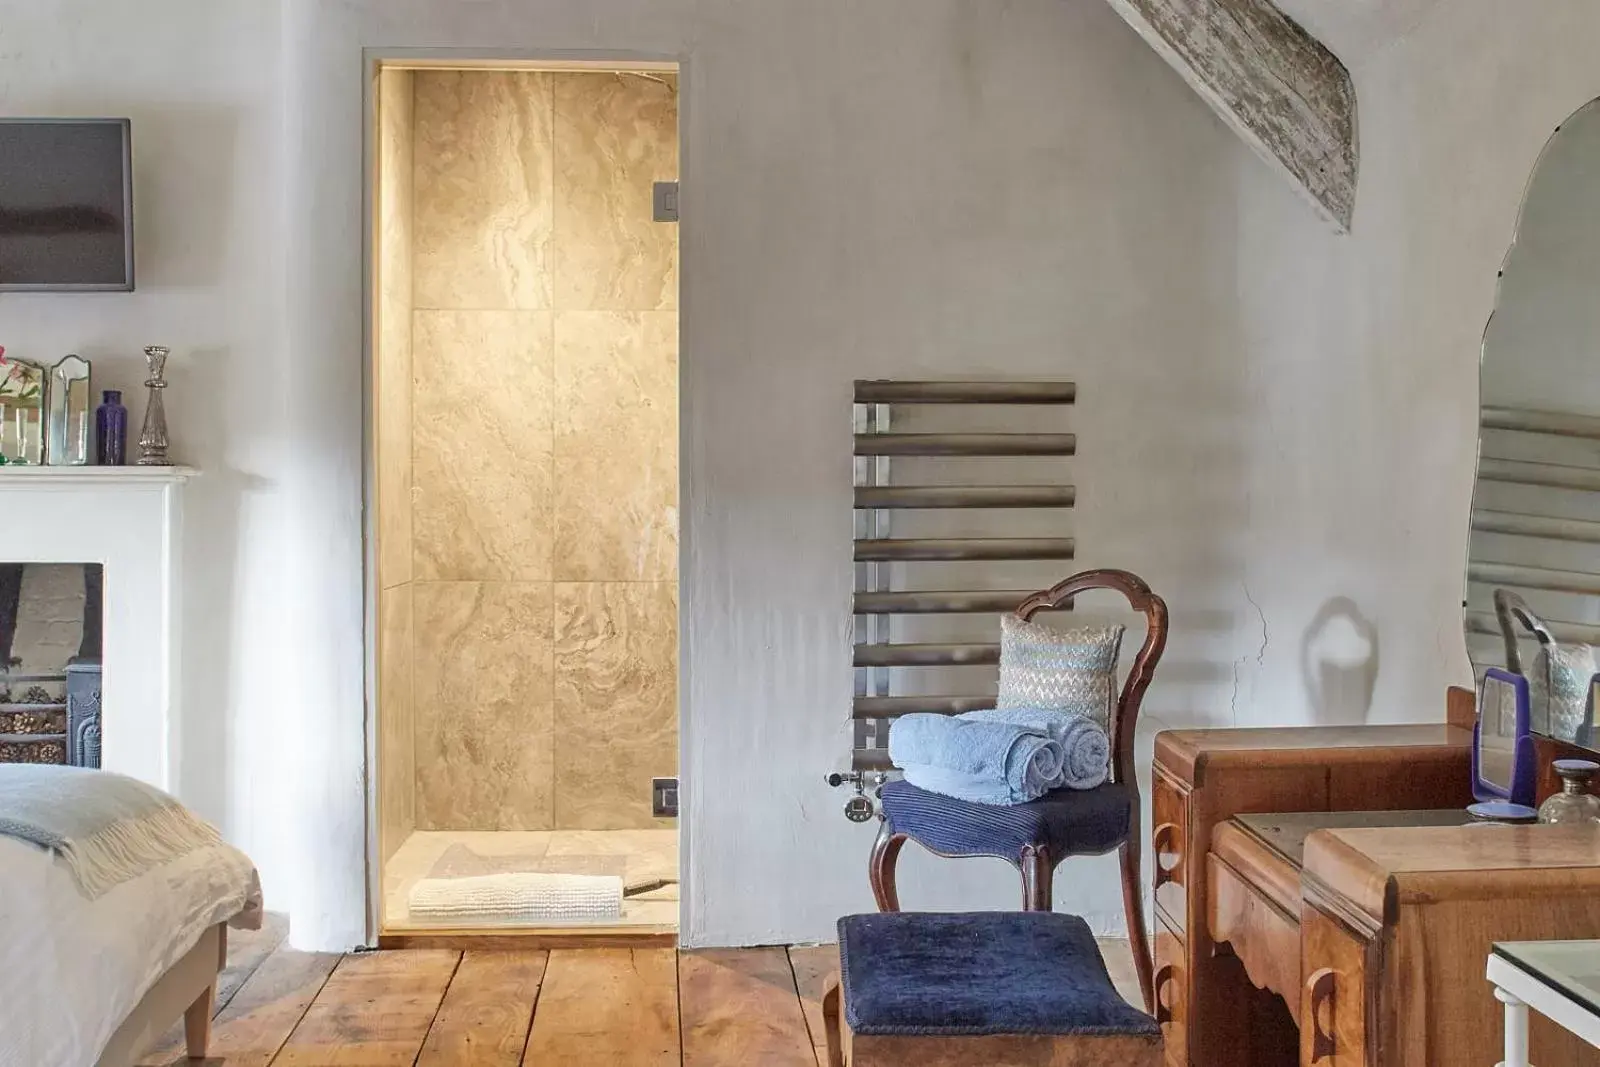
[(1163, 979), (1163, 838), (1320, 990)]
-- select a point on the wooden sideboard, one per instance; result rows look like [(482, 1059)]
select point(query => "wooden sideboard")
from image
[(1367, 945), (1212, 1014)]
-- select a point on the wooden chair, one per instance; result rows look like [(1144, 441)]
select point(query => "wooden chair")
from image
[(1037, 836)]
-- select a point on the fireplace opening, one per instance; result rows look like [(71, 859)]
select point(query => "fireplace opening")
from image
[(50, 650)]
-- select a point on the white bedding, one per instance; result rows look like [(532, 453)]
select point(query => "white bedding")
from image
[(72, 969)]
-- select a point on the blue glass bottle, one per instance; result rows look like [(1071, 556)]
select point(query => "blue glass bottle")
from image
[(111, 430)]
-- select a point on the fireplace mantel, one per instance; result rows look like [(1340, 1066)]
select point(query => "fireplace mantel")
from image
[(36, 477), (129, 520)]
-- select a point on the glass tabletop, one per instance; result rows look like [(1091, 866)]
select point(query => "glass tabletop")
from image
[(1570, 967), (1285, 832)]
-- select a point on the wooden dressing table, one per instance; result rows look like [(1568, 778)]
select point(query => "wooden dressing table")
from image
[(1320, 941), (1357, 936)]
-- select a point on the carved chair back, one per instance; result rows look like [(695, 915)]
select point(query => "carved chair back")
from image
[(1125, 714)]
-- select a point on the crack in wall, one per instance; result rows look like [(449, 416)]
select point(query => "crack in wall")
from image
[(1261, 655), (1233, 699)]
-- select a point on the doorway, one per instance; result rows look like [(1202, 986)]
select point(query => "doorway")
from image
[(524, 492)]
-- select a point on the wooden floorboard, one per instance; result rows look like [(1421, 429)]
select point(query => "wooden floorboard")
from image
[(261, 1015), (593, 1007), (484, 1019), (247, 951), (374, 1011), (815, 968), (608, 1007), (477, 940), (740, 1006)]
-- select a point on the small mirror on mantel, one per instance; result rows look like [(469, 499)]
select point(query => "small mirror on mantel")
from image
[(1533, 570)]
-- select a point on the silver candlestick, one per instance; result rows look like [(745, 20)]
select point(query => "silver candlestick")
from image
[(153, 437)]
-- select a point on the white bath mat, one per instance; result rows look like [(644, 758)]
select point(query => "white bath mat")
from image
[(527, 899), (460, 861), (640, 875)]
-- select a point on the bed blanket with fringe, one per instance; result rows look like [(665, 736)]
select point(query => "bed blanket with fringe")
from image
[(108, 828)]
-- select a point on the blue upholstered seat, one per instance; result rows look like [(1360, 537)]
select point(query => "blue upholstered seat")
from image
[(974, 973), (1070, 822)]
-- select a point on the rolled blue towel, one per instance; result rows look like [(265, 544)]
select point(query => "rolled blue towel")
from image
[(961, 785), (1085, 748), (987, 762)]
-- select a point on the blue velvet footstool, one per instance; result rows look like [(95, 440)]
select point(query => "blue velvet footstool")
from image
[(989, 988)]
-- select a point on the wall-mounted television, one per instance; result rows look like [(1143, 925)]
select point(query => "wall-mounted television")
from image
[(66, 204)]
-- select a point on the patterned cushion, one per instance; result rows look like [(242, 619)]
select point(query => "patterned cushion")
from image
[(1072, 669), (1558, 688), (1070, 822), (975, 973)]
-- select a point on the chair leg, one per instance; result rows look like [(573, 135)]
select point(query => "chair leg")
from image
[(1038, 880), (1133, 907), (880, 868), (833, 1026)]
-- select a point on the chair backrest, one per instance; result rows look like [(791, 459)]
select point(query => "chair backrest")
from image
[(1511, 610), (1125, 716)]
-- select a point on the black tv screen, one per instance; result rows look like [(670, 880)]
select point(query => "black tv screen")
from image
[(66, 204)]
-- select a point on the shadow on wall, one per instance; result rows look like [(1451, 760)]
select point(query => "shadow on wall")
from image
[(1339, 663), (213, 504), (184, 159)]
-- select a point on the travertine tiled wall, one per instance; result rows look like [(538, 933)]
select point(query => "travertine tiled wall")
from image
[(396, 722), (544, 407)]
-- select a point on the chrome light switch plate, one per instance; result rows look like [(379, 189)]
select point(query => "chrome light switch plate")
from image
[(664, 798)]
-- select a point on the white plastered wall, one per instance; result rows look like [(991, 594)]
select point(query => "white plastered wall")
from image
[(1273, 418), (1367, 346), (900, 190)]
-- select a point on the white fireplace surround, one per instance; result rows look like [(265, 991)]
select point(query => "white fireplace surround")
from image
[(128, 519)]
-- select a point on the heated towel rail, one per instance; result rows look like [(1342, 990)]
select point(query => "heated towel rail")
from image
[(889, 566)]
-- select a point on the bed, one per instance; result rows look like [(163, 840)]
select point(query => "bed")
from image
[(94, 983)]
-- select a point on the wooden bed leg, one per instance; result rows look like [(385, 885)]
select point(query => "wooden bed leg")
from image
[(197, 1023)]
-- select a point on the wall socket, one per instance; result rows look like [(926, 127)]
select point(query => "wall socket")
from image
[(664, 798)]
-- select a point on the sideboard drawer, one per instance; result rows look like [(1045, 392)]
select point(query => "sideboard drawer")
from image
[(1264, 938), (1333, 994), (1169, 816), (1172, 1009)]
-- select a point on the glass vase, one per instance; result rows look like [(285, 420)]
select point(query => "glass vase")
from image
[(1574, 804), (111, 430), (24, 434), (21, 411)]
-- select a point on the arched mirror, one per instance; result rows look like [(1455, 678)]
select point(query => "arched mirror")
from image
[(1533, 573)]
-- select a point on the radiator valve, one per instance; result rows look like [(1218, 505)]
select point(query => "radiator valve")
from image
[(860, 807)]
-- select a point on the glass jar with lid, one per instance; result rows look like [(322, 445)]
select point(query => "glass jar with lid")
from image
[(1574, 804)]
